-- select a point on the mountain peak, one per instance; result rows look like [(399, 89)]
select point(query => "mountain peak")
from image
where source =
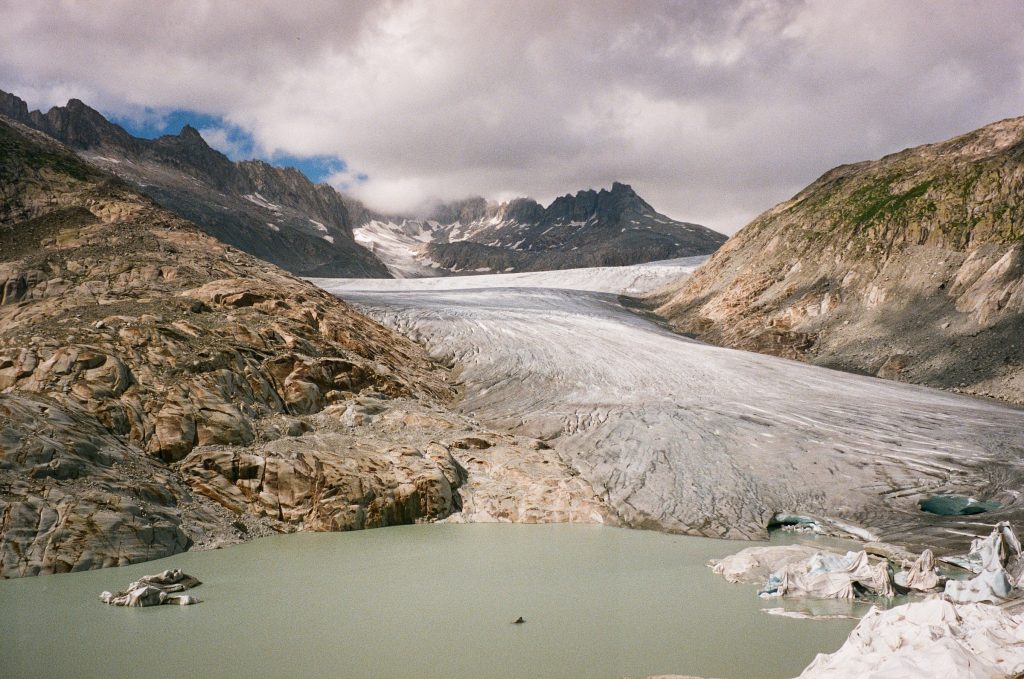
[(13, 107), (619, 187)]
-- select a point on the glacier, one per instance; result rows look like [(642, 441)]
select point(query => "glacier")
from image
[(685, 437)]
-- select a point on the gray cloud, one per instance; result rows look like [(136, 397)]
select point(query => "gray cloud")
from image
[(713, 111)]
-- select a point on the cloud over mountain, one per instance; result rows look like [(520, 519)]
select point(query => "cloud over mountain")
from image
[(711, 110)]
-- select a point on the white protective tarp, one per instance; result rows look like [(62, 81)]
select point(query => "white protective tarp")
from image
[(922, 576), (931, 638), (831, 576), (755, 564), (998, 562)]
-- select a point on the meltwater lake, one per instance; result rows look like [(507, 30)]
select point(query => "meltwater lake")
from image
[(419, 602)]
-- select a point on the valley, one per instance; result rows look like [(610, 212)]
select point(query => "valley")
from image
[(197, 352)]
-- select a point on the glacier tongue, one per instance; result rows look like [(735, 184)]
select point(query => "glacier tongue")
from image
[(687, 437)]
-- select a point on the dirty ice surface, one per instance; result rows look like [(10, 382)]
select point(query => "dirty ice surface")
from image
[(686, 437)]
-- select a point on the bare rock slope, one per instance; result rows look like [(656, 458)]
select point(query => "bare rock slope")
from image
[(161, 390), (910, 267)]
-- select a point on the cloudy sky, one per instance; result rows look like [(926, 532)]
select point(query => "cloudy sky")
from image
[(713, 111)]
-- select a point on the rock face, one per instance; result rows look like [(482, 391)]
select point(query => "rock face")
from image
[(274, 213), (591, 228), (909, 268), (160, 389), (370, 463), (73, 496)]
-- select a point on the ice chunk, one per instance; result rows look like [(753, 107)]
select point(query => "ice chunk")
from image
[(755, 564), (998, 562), (922, 576), (155, 590), (831, 576)]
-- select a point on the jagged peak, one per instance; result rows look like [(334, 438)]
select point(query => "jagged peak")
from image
[(78, 109), (619, 187), (189, 137), (13, 106), (190, 132)]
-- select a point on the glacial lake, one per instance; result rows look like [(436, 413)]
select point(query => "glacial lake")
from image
[(419, 602)]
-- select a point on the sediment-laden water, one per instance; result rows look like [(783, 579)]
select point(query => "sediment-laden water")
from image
[(419, 602)]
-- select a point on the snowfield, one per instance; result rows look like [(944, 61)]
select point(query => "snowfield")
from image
[(400, 246), (629, 280), (681, 436)]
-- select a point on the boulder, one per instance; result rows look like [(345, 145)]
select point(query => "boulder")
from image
[(155, 590)]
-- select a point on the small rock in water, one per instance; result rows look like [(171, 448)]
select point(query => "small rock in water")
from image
[(519, 621), (154, 590)]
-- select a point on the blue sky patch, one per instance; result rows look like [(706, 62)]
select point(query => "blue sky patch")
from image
[(231, 140)]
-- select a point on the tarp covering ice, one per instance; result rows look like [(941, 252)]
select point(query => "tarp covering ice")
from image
[(155, 590), (803, 571), (831, 576), (755, 564), (931, 638), (922, 575), (999, 564)]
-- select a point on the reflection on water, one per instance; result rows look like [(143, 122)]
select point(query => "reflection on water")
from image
[(419, 602)]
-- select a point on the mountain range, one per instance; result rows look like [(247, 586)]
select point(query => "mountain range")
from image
[(274, 213), (279, 215), (591, 228)]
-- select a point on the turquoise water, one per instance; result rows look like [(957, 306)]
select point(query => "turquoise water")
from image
[(419, 602)]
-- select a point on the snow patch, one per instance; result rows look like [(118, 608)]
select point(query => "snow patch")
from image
[(258, 199)]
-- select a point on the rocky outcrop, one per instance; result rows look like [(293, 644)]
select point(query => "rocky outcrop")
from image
[(908, 268), (327, 482), (274, 213), (371, 463), (73, 496), (523, 484), (171, 362), (160, 391)]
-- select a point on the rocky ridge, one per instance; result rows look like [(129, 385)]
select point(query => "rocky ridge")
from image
[(910, 267), (160, 390), (274, 213), (613, 227)]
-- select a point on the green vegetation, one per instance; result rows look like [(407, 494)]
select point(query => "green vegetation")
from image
[(880, 202), (16, 152)]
